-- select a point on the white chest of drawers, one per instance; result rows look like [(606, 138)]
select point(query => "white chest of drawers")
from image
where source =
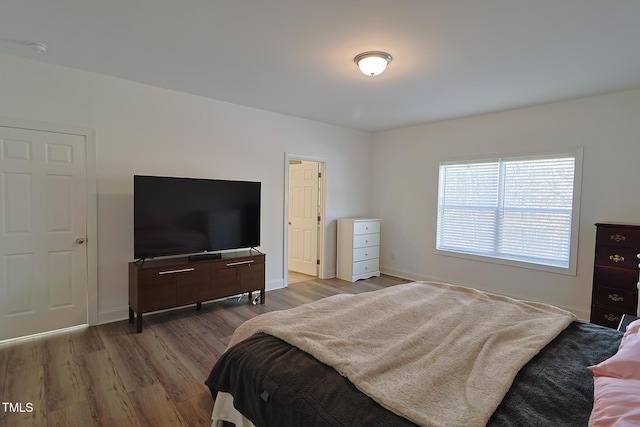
[(358, 248)]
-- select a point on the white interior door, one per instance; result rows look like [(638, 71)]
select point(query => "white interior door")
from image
[(303, 217), (43, 265)]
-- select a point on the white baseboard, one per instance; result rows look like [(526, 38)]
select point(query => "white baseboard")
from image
[(272, 285), (113, 315)]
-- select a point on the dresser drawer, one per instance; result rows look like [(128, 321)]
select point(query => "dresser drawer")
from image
[(621, 299), (364, 267), (362, 254), (619, 237), (621, 257), (617, 278), (366, 240), (606, 316), (366, 227)]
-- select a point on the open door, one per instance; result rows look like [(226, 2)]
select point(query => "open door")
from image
[(303, 217)]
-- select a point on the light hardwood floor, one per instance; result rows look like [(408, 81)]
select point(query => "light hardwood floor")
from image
[(295, 277), (108, 375)]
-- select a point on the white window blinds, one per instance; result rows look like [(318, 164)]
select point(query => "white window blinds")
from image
[(516, 209)]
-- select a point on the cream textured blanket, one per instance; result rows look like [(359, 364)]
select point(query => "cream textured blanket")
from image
[(436, 354)]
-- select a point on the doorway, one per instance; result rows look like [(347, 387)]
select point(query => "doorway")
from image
[(305, 219)]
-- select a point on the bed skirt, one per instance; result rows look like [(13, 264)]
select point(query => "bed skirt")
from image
[(223, 410)]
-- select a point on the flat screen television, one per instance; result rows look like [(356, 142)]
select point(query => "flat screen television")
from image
[(177, 216)]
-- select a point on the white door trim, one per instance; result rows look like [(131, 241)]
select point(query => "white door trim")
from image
[(322, 199), (92, 226)]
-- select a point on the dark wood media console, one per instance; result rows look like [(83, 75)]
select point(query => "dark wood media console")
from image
[(169, 283)]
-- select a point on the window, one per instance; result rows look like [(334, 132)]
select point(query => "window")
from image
[(522, 210)]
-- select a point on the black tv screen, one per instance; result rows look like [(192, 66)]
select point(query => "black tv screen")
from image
[(174, 216)]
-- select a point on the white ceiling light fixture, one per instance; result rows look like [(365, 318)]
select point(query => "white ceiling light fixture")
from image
[(372, 63)]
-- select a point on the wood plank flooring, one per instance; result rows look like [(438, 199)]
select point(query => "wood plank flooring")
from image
[(108, 375), (295, 277)]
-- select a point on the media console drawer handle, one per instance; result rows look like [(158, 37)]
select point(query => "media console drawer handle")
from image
[(181, 270), (233, 264)]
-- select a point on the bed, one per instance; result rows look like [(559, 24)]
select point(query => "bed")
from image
[(421, 353)]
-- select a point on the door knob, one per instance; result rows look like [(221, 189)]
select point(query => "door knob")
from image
[(80, 240)]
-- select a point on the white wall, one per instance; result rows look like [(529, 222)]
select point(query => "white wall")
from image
[(146, 130), (405, 196)]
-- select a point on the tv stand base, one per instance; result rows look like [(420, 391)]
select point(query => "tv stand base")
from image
[(163, 284)]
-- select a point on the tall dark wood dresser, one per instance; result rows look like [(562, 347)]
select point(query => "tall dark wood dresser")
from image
[(615, 273)]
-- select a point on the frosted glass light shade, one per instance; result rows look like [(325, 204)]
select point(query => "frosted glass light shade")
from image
[(372, 63)]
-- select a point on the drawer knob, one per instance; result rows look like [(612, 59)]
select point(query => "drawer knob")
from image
[(611, 318), (616, 258), (618, 237), (616, 298)]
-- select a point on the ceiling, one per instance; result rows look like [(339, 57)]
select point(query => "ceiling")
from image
[(451, 58)]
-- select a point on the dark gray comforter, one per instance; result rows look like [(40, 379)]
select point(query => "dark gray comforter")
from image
[(276, 384)]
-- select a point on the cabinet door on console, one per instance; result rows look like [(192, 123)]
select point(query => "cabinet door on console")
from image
[(237, 275), (156, 290), (252, 276), (225, 280), (193, 284)]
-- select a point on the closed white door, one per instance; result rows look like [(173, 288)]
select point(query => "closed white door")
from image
[(43, 265), (303, 217)]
